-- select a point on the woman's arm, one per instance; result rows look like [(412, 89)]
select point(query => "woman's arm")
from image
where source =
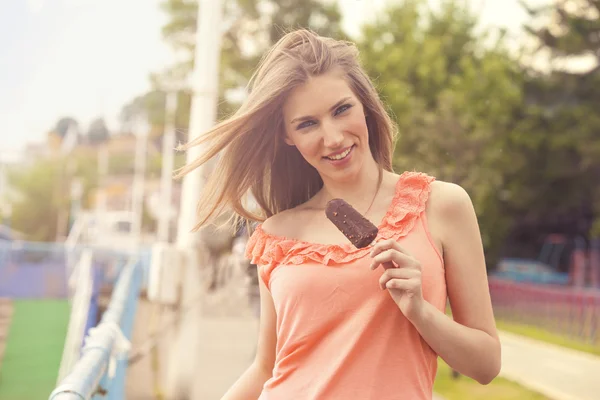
[(469, 343), (250, 384)]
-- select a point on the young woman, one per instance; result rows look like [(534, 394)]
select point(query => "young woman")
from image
[(339, 322)]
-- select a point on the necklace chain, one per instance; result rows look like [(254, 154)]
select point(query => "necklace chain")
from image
[(374, 196)]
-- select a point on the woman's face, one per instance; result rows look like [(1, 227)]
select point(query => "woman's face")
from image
[(325, 121)]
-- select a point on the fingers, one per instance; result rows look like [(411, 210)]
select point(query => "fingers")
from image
[(388, 244), (392, 258), (400, 277), (410, 286)]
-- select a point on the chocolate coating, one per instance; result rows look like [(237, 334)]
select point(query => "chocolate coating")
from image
[(359, 230)]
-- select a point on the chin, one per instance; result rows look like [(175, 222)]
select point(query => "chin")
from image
[(344, 175)]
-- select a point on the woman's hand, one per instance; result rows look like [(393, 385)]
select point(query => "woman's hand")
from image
[(402, 277)]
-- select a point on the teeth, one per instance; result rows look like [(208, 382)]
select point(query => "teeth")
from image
[(341, 155)]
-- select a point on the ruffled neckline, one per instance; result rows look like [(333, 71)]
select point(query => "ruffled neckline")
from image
[(409, 201)]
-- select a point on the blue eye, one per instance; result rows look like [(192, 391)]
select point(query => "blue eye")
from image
[(305, 124), (337, 112), (343, 108)]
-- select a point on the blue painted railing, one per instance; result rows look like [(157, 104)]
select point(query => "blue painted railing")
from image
[(34, 270), (93, 376)]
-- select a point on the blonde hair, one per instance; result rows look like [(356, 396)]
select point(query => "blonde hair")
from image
[(252, 154)]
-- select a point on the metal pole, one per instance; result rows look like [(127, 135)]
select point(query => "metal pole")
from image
[(166, 183), (185, 348), (102, 173), (205, 80), (137, 196)]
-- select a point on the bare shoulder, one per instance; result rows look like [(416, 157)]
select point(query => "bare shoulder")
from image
[(281, 224), (447, 199), (449, 210)]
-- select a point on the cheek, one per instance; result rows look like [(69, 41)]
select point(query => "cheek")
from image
[(308, 145), (356, 124)]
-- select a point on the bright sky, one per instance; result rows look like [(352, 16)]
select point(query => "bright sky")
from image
[(87, 58)]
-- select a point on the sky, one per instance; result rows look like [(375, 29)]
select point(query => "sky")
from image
[(88, 58)]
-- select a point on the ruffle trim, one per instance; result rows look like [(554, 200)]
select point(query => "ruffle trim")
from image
[(410, 200)]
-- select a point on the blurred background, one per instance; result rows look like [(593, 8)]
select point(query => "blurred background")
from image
[(501, 97)]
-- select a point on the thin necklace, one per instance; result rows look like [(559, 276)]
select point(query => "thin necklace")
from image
[(373, 200), (379, 179), (376, 193)]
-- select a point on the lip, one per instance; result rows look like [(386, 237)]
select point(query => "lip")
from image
[(338, 152), (344, 161)]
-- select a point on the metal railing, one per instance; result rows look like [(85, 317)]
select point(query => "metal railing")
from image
[(563, 310), (102, 366)]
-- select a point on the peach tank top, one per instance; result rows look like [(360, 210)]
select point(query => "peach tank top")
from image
[(339, 336)]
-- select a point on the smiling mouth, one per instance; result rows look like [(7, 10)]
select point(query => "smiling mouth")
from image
[(341, 155)]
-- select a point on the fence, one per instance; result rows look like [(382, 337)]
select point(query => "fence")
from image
[(33, 270), (42, 270), (101, 370), (566, 311)]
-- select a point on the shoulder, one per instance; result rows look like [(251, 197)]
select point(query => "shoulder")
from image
[(449, 206), (286, 223), (264, 236), (439, 198), (268, 234), (447, 198), (276, 224)]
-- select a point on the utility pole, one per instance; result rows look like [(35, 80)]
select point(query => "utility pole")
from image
[(102, 173), (205, 89), (185, 346), (142, 129), (168, 156)]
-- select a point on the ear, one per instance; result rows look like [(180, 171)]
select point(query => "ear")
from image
[(288, 141)]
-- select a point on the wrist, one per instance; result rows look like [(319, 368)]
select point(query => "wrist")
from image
[(423, 316)]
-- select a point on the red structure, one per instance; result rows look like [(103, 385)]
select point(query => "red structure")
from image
[(594, 263)]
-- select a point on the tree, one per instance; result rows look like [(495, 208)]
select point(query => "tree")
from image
[(152, 105), (63, 125), (97, 132), (57, 136), (252, 26), (562, 108), (35, 210), (454, 100), (42, 192)]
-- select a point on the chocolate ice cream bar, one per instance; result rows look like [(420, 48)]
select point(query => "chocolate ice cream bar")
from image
[(359, 230)]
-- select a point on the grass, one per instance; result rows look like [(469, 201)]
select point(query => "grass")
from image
[(500, 388), (543, 335), (465, 388), (34, 349)]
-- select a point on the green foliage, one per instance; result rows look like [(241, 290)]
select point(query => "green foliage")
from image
[(523, 143), (43, 192), (253, 26), (564, 113), (455, 101), (35, 213), (152, 104)]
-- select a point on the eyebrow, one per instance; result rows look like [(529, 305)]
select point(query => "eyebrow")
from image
[(336, 105)]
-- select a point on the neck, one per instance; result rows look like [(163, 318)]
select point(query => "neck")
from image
[(359, 192)]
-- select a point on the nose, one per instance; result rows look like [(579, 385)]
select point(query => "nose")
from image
[(333, 137)]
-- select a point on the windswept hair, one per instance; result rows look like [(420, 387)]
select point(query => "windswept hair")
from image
[(253, 157)]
